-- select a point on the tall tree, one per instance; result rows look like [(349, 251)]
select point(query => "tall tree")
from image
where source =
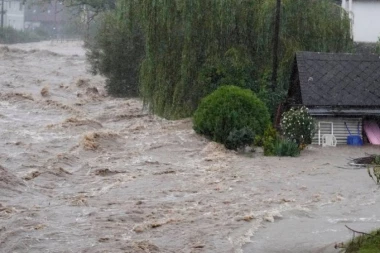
[(186, 38), (194, 46), (276, 37)]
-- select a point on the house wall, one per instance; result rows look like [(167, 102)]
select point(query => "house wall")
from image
[(14, 16), (365, 17), (339, 129)]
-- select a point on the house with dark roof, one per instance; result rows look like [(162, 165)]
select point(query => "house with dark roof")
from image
[(338, 89)]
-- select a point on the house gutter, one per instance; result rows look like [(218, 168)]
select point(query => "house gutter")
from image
[(344, 112)]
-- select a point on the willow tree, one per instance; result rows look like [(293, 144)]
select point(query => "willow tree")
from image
[(118, 49), (192, 46), (306, 25)]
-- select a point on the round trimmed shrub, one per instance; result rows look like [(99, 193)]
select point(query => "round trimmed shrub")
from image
[(230, 108)]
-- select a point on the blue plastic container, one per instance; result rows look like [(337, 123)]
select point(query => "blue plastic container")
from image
[(354, 140)]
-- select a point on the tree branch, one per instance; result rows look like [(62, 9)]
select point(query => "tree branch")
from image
[(355, 231)]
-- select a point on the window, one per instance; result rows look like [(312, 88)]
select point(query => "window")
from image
[(10, 4), (20, 7)]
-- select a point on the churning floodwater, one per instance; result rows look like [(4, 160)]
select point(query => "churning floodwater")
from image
[(83, 172)]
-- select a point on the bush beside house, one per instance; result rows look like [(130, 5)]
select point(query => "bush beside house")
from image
[(297, 125), (231, 111)]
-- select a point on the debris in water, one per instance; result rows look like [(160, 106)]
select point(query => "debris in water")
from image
[(106, 172), (31, 175), (146, 247), (45, 91), (82, 82)]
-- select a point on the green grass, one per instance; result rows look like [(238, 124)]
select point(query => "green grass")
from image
[(365, 243)]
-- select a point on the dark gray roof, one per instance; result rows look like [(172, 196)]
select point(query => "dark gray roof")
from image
[(331, 79)]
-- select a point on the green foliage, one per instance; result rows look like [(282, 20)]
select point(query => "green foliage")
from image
[(374, 169), (9, 35), (269, 140), (195, 46), (229, 108), (365, 244), (258, 141), (377, 47), (275, 145), (286, 147), (234, 67), (238, 139), (298, 125), (117, 51)]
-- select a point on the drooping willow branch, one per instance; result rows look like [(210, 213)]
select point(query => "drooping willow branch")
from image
[(355, 231)]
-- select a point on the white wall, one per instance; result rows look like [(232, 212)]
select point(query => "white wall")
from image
[(366, 20), (14, 16), (339, 129), (366, 24)]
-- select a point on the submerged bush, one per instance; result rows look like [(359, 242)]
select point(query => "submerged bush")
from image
[(286, 147), (229, 108), (239, 138), (9, 35), (298, 125), (269, 140)]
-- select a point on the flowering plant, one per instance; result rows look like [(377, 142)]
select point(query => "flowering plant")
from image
[(298, 125)]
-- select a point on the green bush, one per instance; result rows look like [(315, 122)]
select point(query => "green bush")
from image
[(238, 139), (258, 141), (364, 243), (298, 125), (374, 169), (269, 140), (286, 147), (229, 108), (116, 52)]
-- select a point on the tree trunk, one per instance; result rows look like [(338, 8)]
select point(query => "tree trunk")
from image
[(276, 36)]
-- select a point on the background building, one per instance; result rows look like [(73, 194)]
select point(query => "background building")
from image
[(365, 18), (14, 14)]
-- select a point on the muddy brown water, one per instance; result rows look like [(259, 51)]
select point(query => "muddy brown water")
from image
[(84, 172)]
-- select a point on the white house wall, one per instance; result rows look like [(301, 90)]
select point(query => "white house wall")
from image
[(14, 16), (339, 129), (365, 20)]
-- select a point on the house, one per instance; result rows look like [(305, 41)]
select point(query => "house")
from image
[(365, 18), (14, 14), (50, 16), (337, 89)]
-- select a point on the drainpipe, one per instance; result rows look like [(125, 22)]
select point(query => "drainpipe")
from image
[(350, 8)]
